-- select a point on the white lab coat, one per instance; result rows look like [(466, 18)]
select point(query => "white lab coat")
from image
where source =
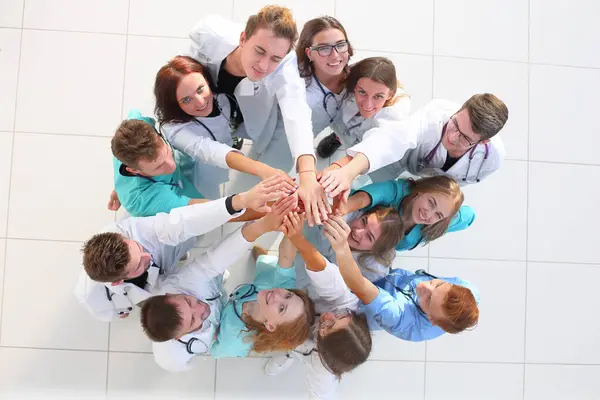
[(321, 117), (167, 237), (201, 277), (330, 294), (427, 125), (352, 128), (208, 152), (281, 95)]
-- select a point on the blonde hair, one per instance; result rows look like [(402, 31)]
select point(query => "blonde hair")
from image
[(277, 19)]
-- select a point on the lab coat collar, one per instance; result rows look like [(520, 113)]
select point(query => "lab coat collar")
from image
[(133, 293)]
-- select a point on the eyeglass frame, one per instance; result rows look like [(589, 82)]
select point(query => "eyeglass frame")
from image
[(330, 47), (461, 135)]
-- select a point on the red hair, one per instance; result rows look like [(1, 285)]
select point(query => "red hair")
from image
[(460, 309), (167, 107)]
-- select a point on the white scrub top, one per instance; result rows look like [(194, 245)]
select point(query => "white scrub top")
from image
[(330, 294), (281, 94), (352, 128), (207, 141), (167, 237), (427, 125), (201, 277)]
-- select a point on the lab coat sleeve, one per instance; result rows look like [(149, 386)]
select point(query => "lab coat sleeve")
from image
[(185, 223), (200, 148), (330, 285), (171, 358), (395, 317), (386, 193), (388, 142), (219, 256), (297, 115), (462, 220), (92, 296)]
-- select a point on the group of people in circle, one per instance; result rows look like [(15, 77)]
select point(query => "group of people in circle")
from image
[(331, 282)]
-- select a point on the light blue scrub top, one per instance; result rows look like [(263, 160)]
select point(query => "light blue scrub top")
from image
[(391, 193), (395, 313), (144, 196), (232, 339)]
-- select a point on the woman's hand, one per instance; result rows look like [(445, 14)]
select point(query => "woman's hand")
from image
[(337, 231), (314, 198), (113, 203), (274, 219), (292, 225), (260, 195), (337, 182), (267, 172)]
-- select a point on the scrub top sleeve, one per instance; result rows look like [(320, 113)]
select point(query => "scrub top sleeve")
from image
[(330, 285), (270, 274), (153, 199), (383, 193), (297, 115), (462, 220), (200, 148)]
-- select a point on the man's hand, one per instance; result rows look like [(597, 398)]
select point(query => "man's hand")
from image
[(113, 203)]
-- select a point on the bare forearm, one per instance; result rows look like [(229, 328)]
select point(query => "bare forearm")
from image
[(313, 259), (306, 162), (287, 253), (240, 162), (358, 165), (343, 161), (198, 201), (362, 288), (253, 230), (357, 201)]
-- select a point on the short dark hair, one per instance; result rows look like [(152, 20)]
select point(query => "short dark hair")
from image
[(161, 319), (135, 140), (105, 257)]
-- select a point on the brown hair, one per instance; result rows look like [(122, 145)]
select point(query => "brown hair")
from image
[(167, 108), (342, 351), (378, 69), (105, 257), (460, 309), (135, 140), (277, 19), (310, 29), (392, 233), (436, 184), (161, 319), (287, 336), (488, 114)]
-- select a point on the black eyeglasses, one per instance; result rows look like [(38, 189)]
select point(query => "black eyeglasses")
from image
[(464, 139), (325, 50)]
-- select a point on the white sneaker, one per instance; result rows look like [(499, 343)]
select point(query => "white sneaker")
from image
[(278, 364)]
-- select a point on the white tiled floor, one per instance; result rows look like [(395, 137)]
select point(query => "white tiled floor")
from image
[(70, 69)]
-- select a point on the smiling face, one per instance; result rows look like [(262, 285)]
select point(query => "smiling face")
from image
[(193, 312), (163, 164), (429, 208), (277, 306), (261, 53), (194, 95), (330, 41), (370, 96), (364, 232), (460, 137), (432, 296)]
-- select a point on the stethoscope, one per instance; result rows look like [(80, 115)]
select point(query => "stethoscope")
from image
[(410, 294), (327, 96), (190, 343), (429, 157), (240, 294)]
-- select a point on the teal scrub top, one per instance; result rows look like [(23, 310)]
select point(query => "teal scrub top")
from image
[(233, 339), (391, 193), (148, 196)]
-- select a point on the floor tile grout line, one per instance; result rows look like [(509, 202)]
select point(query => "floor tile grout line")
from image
[(12, 160), (215, 380), (527, 182)]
